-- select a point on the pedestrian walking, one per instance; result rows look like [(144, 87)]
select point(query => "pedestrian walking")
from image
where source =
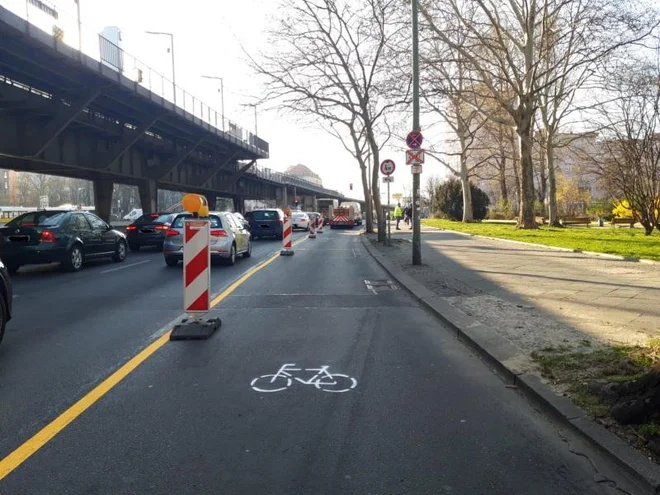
[(398, 214)]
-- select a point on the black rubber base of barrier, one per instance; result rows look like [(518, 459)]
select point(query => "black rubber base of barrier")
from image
[(195, 329), (286, 252)]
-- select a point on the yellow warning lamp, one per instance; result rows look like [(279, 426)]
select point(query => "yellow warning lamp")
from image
[(195, 204), (287, 212)]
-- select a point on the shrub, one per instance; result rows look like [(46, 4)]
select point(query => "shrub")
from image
[(449, 200)]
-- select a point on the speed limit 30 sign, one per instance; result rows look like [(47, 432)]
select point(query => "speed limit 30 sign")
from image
[(387, 167)]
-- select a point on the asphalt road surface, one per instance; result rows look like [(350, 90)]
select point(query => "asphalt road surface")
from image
[(410, 411)]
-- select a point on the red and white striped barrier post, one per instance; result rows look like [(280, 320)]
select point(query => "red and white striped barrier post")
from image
[(287, 238), (196, 266), (312, 229), (320, 221)]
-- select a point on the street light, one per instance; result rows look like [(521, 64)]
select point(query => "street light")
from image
[(172, 52), (222, 98), (253, 105)]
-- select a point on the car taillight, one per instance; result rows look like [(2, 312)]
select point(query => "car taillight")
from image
[(47, 236), (172, 233), (131, 228), (218, 233), (162, 227)]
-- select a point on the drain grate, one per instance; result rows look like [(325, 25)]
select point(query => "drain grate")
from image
[(379, 285)]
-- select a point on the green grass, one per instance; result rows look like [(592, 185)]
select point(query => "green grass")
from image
[(622, 241)]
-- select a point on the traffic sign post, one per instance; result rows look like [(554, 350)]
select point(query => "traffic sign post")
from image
[(414, 139), (387, 167), (414, 157), (416, 169)]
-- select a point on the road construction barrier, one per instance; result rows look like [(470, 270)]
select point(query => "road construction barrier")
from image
[(320, 229), (287, 238), (312, 230), (196, 265)]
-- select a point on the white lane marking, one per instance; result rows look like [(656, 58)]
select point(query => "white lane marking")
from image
[(322, 380), (126, 266)]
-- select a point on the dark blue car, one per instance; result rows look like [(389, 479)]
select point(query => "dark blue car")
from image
[(266, 223)]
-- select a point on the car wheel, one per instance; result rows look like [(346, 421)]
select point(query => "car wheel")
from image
[(74, 260), (134, 247), (120, 252), (12, 268), (248, 253), (169, 261), (3, 317), (232, 255)]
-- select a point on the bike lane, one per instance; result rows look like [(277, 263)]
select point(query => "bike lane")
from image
[(425, 415)]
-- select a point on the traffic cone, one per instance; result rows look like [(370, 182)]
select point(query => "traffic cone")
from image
[(312, 231)]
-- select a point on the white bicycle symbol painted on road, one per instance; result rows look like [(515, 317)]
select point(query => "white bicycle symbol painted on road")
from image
[(322, 379)]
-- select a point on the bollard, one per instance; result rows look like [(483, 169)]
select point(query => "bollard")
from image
[(196, 277), (312, 230), (287, 234), (320, 229)]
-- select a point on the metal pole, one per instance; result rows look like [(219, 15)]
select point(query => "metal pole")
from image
[(389, 219), (417, 238), (255, 120), (79, 27), (27, 10), (173, 72), (222, 102)]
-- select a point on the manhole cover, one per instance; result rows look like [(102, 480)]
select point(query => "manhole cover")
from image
[(378, 285)]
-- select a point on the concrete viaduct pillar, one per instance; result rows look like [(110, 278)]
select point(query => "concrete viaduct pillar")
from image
[(285, 199), (315, 205), (212, 200), (103, 198), (239, 204), (148, 196)]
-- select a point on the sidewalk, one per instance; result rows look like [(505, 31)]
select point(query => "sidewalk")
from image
[(535, 297)]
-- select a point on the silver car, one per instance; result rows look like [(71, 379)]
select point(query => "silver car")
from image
[(229, 238)]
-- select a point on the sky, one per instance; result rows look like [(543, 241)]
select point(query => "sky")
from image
[(209, 39)]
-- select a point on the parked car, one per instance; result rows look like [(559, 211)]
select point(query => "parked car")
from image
[(229, 238), (266, 223), (67, 237), (299, 220), (6, 297), (149, 230)]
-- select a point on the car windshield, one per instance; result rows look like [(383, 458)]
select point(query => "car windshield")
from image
[(38, 218), (260, 216), (178, 221)]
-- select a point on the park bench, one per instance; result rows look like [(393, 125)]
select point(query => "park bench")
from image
[(628, 221), (575, 221)]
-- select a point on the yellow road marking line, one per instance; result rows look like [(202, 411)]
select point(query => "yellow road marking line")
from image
[(52, 429)]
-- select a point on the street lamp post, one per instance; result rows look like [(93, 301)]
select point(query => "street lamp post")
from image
[(222, 97), (253, 105), (417, 238), (172, 53)]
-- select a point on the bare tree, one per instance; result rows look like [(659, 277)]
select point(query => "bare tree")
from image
[(333, 60), (504, 42), (629, 163)]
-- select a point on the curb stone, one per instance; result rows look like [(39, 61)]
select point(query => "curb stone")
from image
[(557, 248), (496, 350)]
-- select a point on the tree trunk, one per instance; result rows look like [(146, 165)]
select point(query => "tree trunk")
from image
[(553, 211), (375, 187), (367, 199), (526, 218), (543, 192), (503, 189), (468, 214), (515, 149)]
